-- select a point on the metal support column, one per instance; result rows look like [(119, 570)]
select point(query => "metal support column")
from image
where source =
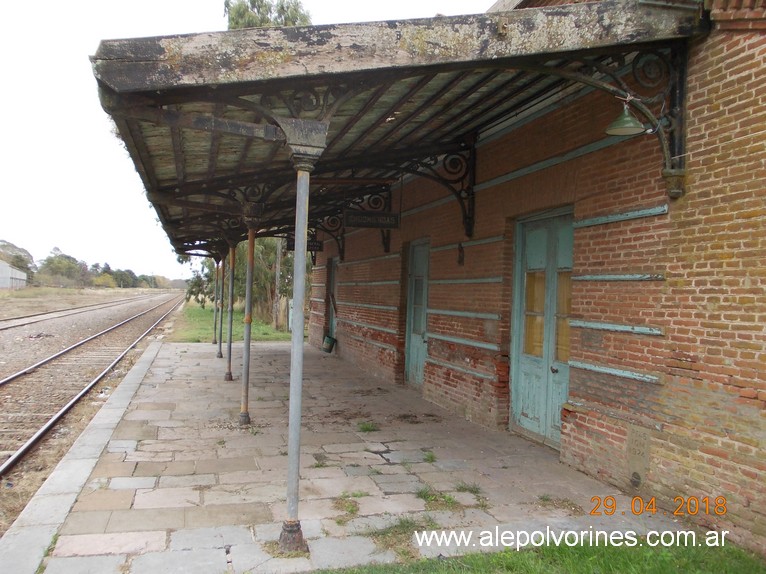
[(232, 261), (291, 538), (215, 301), (244, 410), (219, 326), (307, 140)]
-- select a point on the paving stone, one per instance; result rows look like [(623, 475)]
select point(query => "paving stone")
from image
[(146, 415), (167, 498), (283, 566), (398, 483), (209, 561), (334, 487), (168, 468), (392, 504), (221, 465), (116, 543), (68, 477), (244, 493), (25, 547), (104, 500), (93, 522), (142, 520), (347, 552), (402, 456), (344, 447), (49, 509), (86, 565), (112, 469), (134, 430), (199, 538), (323, 472), (187, 480), (248, 557), (132, 482), (222, 515)]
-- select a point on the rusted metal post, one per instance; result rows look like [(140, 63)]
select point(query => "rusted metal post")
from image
[(244, 408), (220, 311), (215, 300), (232, 261)]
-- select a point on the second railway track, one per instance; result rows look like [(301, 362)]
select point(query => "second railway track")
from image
[(36, 394)]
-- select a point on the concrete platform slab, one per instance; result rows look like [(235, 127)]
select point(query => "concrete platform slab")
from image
[(166, 480)]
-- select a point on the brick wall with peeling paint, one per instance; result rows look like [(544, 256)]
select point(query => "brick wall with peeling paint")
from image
[(700, 429)]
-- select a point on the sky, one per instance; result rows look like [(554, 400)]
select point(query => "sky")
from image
[(66, 181)]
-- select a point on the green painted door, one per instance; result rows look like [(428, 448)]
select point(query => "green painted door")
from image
[(332, 282), (417, 302), (541, 328)]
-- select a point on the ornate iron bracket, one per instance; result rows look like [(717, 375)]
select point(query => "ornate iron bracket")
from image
[(333, 226), (456, 172), (376, 201), (663, 73)]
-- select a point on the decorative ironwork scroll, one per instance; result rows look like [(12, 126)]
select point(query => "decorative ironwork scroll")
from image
[(656, 92), (456, 172), (333, 226)]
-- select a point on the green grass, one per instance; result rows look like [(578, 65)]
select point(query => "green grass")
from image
[(473, 488), (195, 325), (584, 560), (367, 426), (436, 500)]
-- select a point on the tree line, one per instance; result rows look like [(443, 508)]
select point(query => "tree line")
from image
[(268, 293), (62, 270)]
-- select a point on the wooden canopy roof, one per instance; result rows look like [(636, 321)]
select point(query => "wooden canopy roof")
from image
[(206, 117)]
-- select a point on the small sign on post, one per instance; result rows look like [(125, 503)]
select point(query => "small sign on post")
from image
[(311, 245), (371, 219)]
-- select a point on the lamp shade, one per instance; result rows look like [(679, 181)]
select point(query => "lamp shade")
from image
[(625, 125)]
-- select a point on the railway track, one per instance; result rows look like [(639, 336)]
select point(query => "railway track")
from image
[(35, 398), (24, 320)]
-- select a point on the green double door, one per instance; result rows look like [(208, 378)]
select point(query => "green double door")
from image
[(540, 349)]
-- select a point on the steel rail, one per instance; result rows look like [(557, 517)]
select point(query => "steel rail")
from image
[(31, 368), (16, 456), (74, 311)]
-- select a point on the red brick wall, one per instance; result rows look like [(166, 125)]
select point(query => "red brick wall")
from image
[(699, 419), (709, 407), (715, 399)]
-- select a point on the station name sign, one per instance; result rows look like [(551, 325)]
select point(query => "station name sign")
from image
[(374, 219), (311, 245)]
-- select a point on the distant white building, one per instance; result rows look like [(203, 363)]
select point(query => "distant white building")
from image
[(11, 278)]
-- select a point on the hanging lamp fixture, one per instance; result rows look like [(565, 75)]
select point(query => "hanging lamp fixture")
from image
[(626, 123)]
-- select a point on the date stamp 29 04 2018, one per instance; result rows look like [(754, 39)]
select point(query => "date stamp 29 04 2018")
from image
[(685, 506)]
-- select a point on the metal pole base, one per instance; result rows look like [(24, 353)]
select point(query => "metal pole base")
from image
[(228, 377), (291, 537), (219, 355), (244, 419)]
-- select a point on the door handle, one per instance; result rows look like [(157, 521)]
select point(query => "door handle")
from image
[(554, 370)]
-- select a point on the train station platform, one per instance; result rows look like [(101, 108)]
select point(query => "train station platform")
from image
[(164, 479)]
